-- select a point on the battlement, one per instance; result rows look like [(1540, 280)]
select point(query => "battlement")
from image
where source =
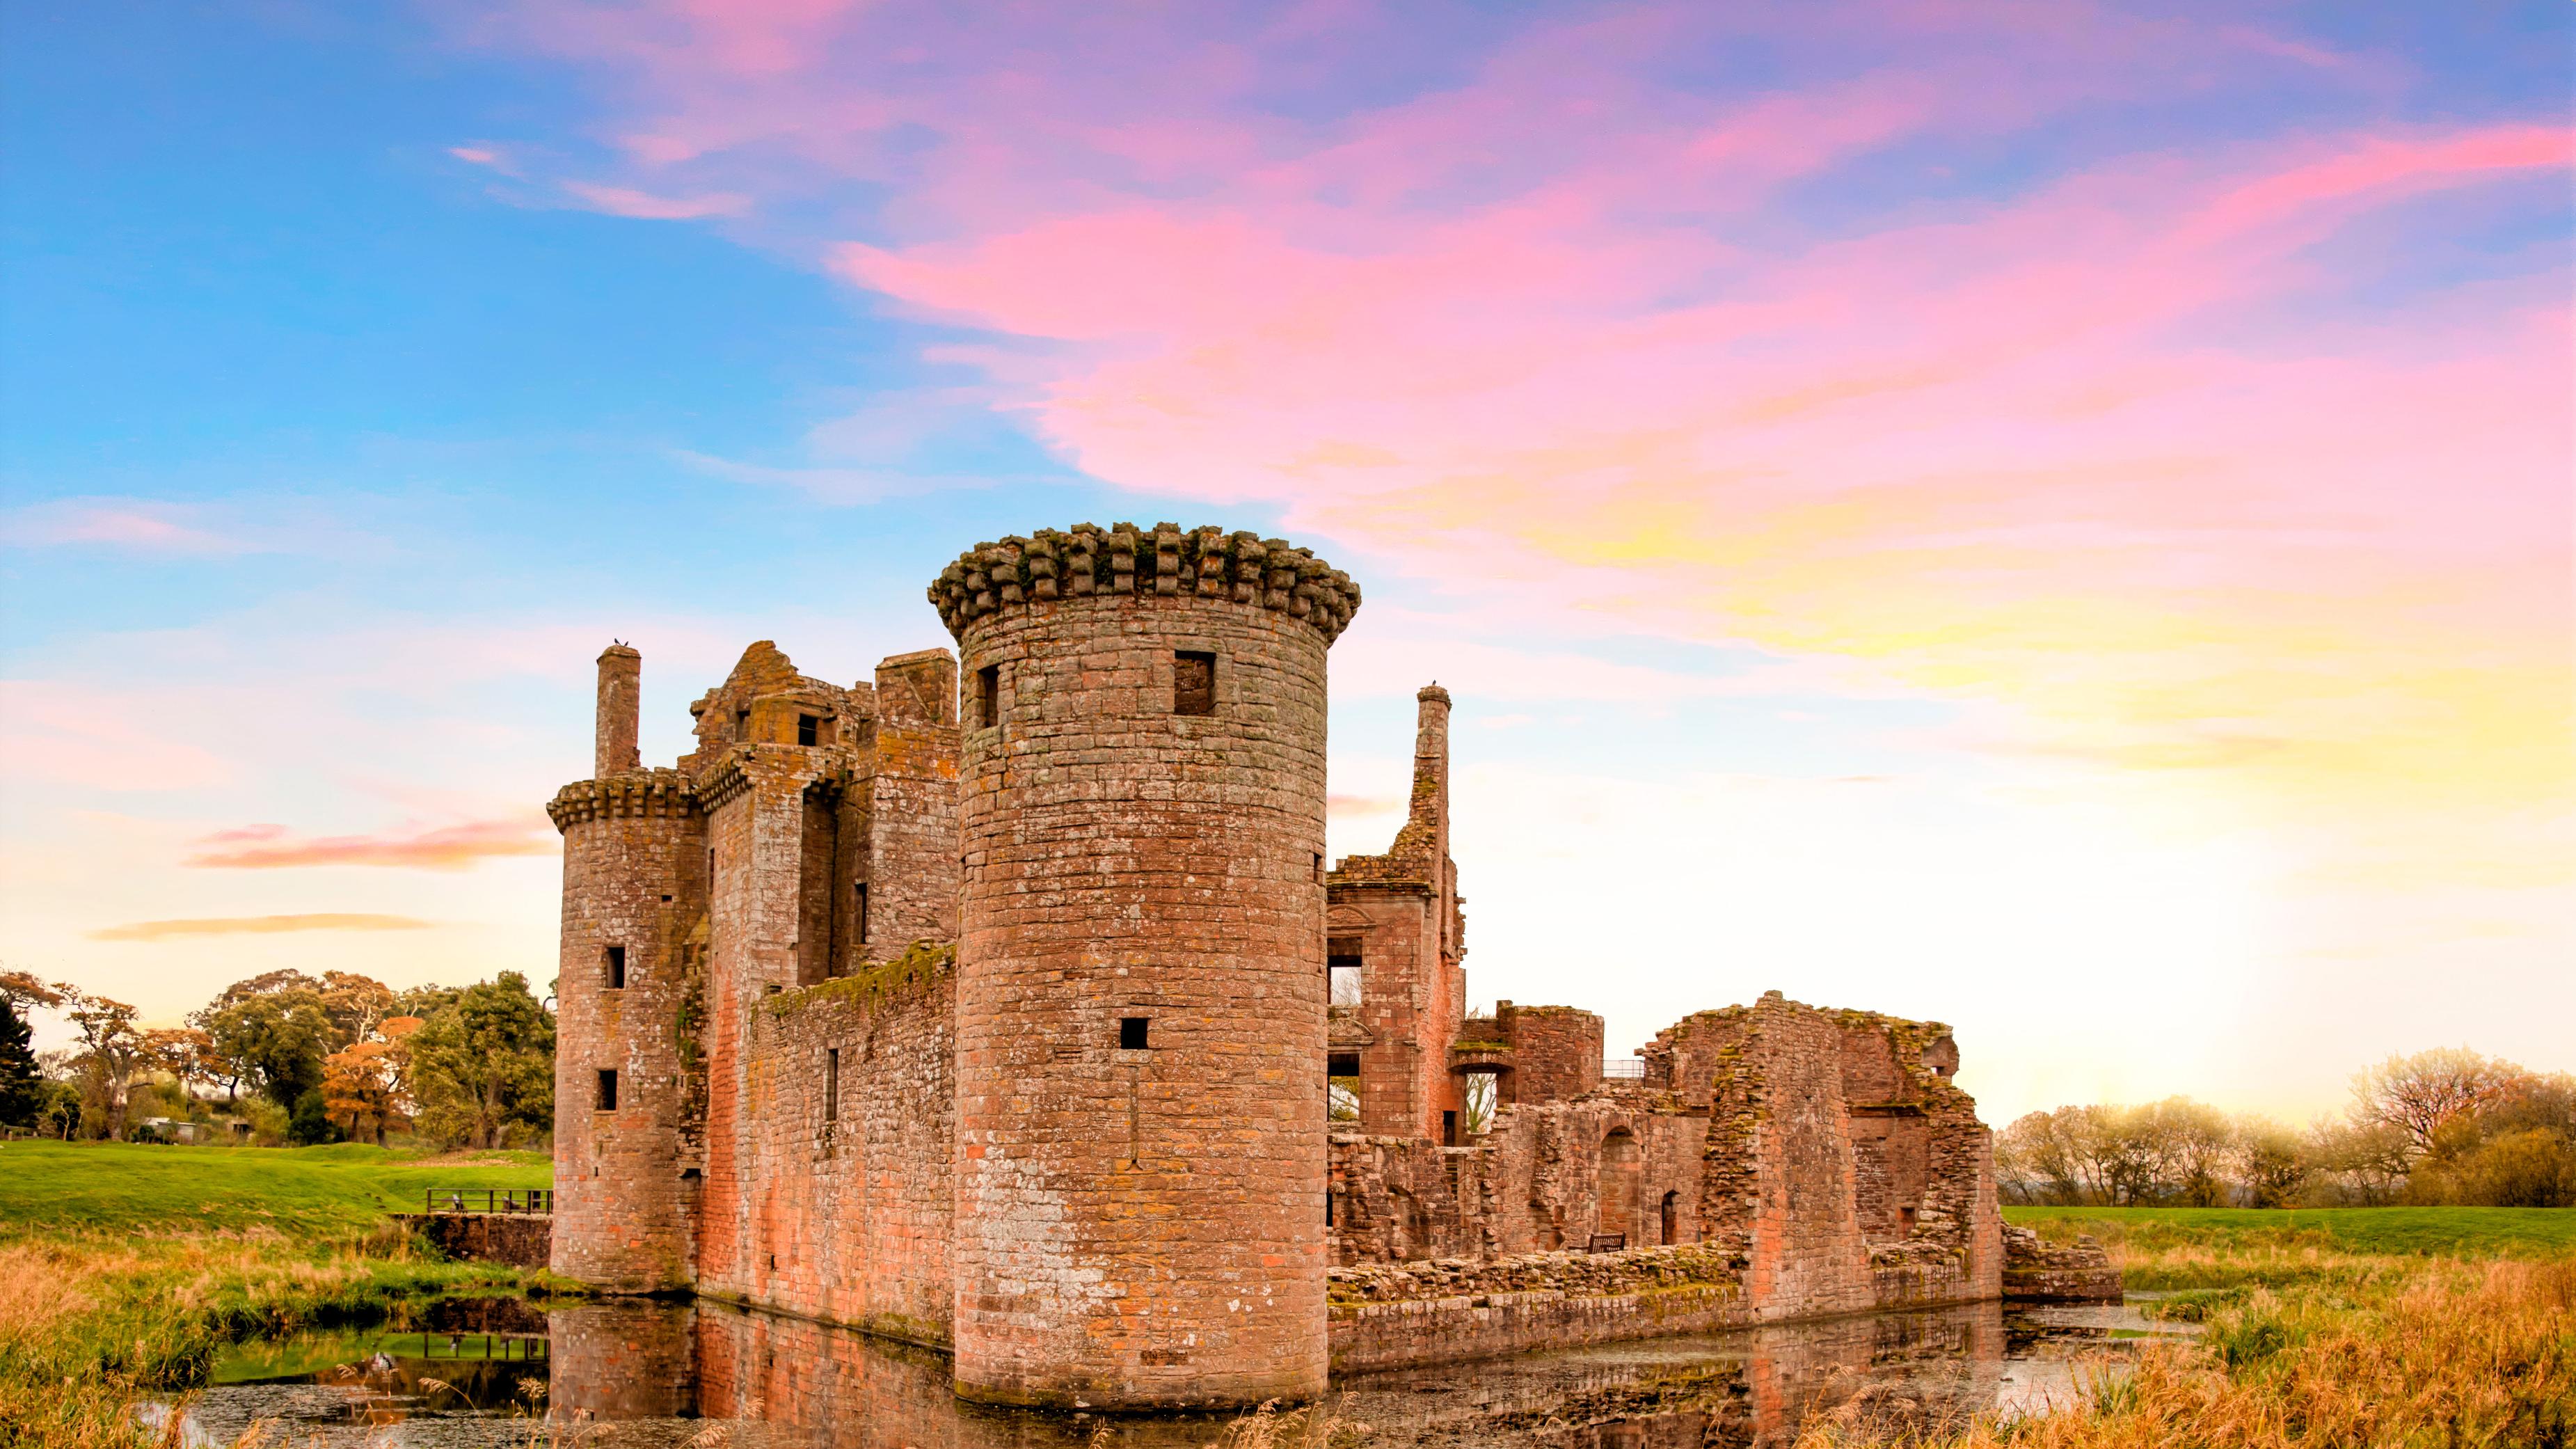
[(630, 795), (1164, 560)]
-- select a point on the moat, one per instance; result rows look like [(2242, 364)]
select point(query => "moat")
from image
[(502, 1372)]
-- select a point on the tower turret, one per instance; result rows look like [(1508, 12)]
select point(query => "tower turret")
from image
[(633, 896), (1140, 973)]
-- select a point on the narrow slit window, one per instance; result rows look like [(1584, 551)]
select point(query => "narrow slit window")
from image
[(615, 968), (808, 729), (862, 907), (608, 1089), (1193, 682), (1131, 1033), (1319, 867), (832, 1085), (741, 724), (988, 696)]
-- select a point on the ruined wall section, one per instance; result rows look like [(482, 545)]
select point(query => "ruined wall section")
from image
[(1778, 1184), (844, 1144), (911, 866), (1403, 910), (1923, 1163), (1556, 1052), (634, 885), (1534, 1184), (1142, 1226)]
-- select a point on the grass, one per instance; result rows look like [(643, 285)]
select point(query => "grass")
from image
[(131, 1187), (2454, 1232), (125, 1269)]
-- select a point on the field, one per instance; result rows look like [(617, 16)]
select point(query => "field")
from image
[(124, 1268), (298, 1190), (2457, 1232)]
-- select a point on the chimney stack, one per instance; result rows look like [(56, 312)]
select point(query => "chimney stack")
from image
[(621, 676)]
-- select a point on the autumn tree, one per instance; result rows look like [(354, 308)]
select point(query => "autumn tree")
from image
[(483, 1064), (360, 1089)]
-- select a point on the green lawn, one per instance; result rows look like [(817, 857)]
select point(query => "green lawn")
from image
[(2460, 1232), (129, 1187)]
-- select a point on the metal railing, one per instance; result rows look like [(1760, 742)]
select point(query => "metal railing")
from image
[(1629, 1069), (539, 1200)]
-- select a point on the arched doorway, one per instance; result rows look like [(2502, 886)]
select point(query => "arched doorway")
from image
[(1618, 1198), (1672, 1219)]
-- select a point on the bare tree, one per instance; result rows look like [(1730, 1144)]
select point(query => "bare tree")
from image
[(2420, 1094)]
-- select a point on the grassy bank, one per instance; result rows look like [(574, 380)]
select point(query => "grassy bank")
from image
[(130, 1187), (2396, 1327), (124, 1269)]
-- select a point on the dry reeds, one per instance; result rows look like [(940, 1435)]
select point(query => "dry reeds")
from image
[(2430, 1353)]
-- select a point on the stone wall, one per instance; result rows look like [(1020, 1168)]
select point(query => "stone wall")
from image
[(848, 1197), (1556, 1051), (2038, 1271), (1779, 1185), (522, 1240)]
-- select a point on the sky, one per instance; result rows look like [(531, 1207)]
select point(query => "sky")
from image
[(2053, 517)]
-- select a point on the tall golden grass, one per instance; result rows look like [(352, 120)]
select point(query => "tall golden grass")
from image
[(2398, 1353)]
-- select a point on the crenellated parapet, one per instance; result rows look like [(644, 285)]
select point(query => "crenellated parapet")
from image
[(1165, 560), (633, 795)]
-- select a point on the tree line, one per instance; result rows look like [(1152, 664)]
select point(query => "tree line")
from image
[(2440, 1127), (288, 1057)]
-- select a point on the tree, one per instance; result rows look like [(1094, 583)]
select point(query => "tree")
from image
[(360, 1089), (22, 1086), (276, 1041), (2418, 1095), (355, 1004), (112, 1050), (484, 1063)]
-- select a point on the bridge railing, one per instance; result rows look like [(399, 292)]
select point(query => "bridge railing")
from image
[(539, 1200)]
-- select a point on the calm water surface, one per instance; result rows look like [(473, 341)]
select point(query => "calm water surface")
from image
[(498, 1372)]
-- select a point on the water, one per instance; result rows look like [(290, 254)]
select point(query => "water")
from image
[(497, 1372)]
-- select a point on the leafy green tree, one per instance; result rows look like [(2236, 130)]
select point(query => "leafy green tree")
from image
[(311, 1124), (276, 1041), (484, 1063)]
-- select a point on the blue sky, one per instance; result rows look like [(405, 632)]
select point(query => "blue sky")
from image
[(1962, 514)]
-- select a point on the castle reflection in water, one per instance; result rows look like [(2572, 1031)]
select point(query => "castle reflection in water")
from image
[(624, 1366)]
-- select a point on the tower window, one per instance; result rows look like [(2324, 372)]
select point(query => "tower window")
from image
[(742, 724), (862, 889), (608, 1089), (1131, 1033), (832, 1085), (1343, 973), (1319, 867), (615, 967), (808, 729), (1193, 682), (988, 696)]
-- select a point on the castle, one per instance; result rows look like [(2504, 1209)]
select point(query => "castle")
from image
[(1006, 1004)]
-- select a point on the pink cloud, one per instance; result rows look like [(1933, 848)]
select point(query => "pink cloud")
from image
[(626, 201), (454, 847)]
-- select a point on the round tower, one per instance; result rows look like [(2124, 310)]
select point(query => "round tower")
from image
[(633, 889), (1140, 969)]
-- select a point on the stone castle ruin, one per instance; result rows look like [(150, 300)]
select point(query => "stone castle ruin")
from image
[(1006, 1004)]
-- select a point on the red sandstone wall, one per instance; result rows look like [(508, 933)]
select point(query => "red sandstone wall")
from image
[(847, 1204), (1556, 1052), (1140, 1227), (1779, 1172)]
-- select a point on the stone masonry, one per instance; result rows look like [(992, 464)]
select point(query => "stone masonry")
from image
[(989, 1004)]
